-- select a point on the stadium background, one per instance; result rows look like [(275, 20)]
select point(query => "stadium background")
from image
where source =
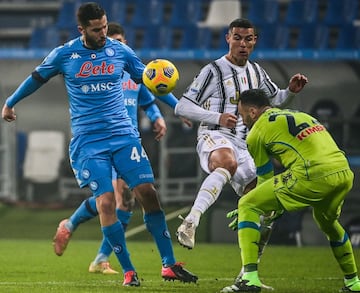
[(320, 38)]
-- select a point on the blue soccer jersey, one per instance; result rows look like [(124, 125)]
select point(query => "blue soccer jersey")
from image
[(92, 77)]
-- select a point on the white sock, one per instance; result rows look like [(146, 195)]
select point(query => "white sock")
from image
[(208, 193)]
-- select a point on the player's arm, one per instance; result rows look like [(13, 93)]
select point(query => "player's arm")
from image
[(280, 97), (194, 112), (152, 111), (33, 82), (285, 96)]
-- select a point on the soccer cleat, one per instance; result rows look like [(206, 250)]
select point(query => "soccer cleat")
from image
[(131, 279), (177, 272), (102, 267), (241, 286), (239, 278), (352, 287), (186, 234), (61, 238)]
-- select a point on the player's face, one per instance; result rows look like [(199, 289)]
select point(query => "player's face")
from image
[(247, 114), (95, 33), (118, 37), (241, 43)]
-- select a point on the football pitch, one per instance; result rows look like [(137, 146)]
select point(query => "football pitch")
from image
[(28, 264)]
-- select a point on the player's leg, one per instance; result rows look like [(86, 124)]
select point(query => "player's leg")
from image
[(326, 215), (257, 202), (124, 205), (218, 160), (136, 171), (86, 211), (96, 173), (125, 201)]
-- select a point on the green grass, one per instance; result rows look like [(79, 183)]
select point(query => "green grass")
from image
[(28, 263)]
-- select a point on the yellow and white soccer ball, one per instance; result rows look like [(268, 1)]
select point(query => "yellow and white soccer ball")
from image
[(160, 76)]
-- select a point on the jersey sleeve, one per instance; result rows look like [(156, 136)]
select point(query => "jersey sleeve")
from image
[(134, 66), (202, 86), (51, 65), (145, 96)]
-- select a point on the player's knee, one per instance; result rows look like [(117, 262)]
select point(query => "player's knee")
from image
[(227, 163), (147, 197), (106, 204)]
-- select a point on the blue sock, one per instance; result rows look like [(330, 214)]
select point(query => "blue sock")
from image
[(115, 235), (105, 247), (124, 217), (156, 225), (86, 211)]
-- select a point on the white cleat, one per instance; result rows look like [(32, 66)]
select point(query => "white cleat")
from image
[(186, 234)]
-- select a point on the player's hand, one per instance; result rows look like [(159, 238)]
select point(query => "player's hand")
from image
[(228, 120), (297, 82), (186, 121), (8, 114), (234, 223), (159, 128)]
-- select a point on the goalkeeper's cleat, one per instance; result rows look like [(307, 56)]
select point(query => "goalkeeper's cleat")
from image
[(131, 279), (238, 279), (186, 234), (351, 285), (102, 267), (242, 286), (177, 272), (61, 238)]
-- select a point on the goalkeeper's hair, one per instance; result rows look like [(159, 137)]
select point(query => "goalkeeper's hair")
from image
[(254, 97)]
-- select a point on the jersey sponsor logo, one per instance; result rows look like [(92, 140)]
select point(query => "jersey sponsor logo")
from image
[(129, 85), (130, 102), (89, 69), (75, 56), (97, 87), (310, 130)]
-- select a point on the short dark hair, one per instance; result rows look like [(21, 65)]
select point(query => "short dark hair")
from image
[(89, 11), (254, 97), (243, 23), (115, 28)]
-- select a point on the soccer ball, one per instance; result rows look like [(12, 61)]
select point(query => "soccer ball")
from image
[(160, 76)]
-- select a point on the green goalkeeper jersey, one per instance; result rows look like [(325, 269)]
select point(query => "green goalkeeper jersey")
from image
[(298, 141)]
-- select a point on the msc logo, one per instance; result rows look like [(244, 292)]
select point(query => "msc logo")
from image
[(97, 87)]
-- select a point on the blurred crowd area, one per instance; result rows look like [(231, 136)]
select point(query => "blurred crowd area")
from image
[(188, 24)]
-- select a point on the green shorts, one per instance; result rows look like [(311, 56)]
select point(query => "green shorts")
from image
[(288, 192)]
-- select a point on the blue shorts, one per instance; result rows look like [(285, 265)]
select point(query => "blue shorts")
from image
[(94, 156)]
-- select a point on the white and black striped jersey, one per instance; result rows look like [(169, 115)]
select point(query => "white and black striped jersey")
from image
[(217, 89)]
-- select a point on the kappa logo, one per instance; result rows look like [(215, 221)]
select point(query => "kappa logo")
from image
[(75, 56)]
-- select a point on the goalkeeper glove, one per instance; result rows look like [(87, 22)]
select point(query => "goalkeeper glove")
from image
[(234, 223)]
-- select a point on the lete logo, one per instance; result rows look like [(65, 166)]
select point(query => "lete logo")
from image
[(88, 69)]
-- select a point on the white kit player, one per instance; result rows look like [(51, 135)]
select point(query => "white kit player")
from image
[(212, 99)]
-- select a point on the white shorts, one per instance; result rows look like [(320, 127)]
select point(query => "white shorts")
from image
[(213, 140)]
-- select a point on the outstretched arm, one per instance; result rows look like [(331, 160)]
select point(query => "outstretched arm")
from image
[(26, 88)]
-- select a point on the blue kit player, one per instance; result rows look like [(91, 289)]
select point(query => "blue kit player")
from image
[(136, 95), (92, 66)]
